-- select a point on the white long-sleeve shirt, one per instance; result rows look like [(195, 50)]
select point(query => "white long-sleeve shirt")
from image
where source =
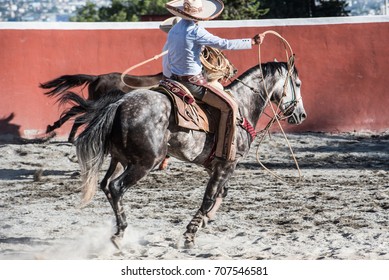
[(184, 43)]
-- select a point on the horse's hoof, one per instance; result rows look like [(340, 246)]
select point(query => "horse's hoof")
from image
[(188, 244), (164, 164), (116, 241)]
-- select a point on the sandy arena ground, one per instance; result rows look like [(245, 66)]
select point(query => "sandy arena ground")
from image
[(340, 210)]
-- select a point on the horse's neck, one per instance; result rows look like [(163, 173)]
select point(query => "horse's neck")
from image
[(249, 92)]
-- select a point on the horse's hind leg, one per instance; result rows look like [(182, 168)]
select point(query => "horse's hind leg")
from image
[(113, 169), (131, 175), (211, 201)]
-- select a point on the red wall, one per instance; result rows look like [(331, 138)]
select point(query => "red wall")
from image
[(343, 68)]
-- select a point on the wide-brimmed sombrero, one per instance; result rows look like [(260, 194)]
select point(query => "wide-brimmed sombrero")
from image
[(196, 9)]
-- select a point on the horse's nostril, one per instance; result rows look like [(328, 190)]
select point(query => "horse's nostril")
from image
[(303, 116), (235, 71)]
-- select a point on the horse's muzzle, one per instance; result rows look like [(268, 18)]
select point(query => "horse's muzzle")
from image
[(297, 117)]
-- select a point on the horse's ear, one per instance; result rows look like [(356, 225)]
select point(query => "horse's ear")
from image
[(291, 59), (275, 60)]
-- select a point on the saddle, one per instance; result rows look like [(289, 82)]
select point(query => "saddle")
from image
[(189, 113), (197, 115)]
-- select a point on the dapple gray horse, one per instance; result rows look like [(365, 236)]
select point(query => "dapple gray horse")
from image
[(138, 130)]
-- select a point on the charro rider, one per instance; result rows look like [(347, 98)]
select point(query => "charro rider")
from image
[(184, 43)]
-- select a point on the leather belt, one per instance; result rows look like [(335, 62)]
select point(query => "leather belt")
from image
[(194, 79), (180, 78)]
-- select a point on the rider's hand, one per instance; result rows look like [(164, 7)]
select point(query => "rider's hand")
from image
[(258, 39)]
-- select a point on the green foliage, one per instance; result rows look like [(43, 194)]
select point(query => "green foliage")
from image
[(132, 10), (116, 12), (121, 10), (88, 13), (332, 9), (242, 9), (287, 9), (305, 8)]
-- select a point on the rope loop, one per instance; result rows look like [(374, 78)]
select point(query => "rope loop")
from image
[(276, 118)]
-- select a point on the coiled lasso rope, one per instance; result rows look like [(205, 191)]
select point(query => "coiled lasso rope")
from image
[(265, 131)]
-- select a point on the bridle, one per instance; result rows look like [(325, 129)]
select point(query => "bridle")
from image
[(288, 107), (284, 109)]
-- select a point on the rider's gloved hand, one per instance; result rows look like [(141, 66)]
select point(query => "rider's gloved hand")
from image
[(258, 39)]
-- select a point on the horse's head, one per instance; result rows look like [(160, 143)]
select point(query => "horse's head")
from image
[(286, 93), (216, 64)]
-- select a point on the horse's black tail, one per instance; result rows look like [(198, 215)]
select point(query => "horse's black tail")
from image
[(77, 101), (93, 143), (80, 106), (63, 83)]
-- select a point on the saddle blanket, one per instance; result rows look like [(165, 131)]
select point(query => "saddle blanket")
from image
[(188, 113)]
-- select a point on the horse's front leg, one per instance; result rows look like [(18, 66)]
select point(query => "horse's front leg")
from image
[(73, 131), (69, 114), (219, 199), (58, 123), (222, 171)]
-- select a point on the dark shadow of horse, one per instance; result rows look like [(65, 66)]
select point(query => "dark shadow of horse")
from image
[(8, 128), (10, 133)]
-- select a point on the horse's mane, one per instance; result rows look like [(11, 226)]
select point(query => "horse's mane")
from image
[(268, 68), (272, 67)]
